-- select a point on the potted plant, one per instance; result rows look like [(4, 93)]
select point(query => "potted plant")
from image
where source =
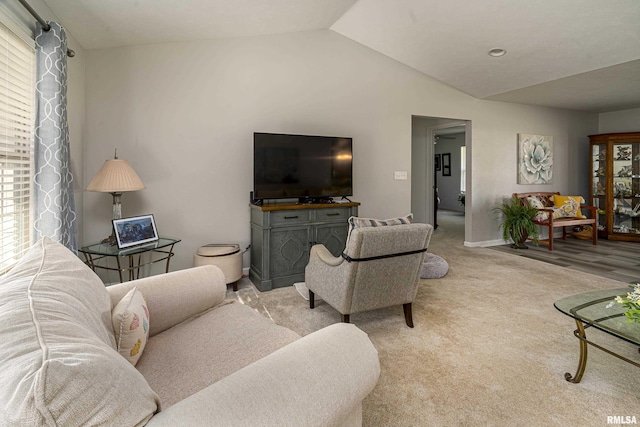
[(631, 302), (461, 197), (518, 223)]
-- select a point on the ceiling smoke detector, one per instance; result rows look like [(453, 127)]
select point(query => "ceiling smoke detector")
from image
[(497, 52)]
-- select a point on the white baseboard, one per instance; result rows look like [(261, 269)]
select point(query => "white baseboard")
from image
[(499, 242), (245, 271), (485, 243)]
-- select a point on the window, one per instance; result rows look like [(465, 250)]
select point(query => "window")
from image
[(16, 146), (463, 169)]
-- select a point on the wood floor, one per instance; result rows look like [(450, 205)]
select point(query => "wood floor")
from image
[(613, 259)]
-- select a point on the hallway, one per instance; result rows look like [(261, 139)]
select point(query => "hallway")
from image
[(450, 227)]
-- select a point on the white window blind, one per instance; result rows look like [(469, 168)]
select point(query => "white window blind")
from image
[(16, 146)]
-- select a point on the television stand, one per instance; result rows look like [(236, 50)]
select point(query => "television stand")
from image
[(282, 235)]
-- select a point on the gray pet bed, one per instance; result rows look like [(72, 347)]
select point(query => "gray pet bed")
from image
[(434, 267)]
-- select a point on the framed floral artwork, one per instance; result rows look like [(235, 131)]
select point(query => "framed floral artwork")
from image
[(535, 159)]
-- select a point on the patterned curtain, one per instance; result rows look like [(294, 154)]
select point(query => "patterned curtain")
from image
[(54, 206)]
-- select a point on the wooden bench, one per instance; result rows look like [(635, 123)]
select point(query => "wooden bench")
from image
[(551, 222)]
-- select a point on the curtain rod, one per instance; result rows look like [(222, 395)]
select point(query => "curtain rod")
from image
[(45, 26)]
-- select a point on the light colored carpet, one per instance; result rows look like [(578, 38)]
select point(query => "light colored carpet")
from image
[(488, 347)]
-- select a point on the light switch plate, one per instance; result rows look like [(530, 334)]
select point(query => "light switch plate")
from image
[(400, 175)]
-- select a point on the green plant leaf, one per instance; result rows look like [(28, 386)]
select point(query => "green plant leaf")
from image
[(518, 219)]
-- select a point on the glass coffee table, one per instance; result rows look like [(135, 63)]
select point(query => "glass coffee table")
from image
[(590, 310)]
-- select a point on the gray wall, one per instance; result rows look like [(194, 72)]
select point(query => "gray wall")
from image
[(183, 115), (620, 121)]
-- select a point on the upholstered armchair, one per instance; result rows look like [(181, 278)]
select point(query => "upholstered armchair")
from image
[(380, 267)]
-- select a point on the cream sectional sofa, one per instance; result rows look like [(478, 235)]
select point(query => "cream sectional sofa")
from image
[(207, 361)]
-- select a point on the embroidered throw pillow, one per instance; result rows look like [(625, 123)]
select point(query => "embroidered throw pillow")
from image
[(536, 203), (130, 318), (567, 206)]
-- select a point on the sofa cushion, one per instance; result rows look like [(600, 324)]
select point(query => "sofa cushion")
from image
[(57, 349), (205, 349), (130, 319), (567, 206), (534, 202)]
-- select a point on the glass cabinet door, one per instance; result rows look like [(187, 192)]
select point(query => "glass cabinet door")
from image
[(626, 188), (599, 168)]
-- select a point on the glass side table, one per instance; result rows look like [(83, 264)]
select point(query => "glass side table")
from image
[(590, 310), (158, 251)]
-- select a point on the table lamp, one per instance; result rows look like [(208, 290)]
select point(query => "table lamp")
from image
[(116, 176)]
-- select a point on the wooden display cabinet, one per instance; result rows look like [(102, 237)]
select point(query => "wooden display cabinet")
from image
[(615, 184)]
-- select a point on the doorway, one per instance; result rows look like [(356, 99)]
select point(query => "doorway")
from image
[(449, 171), (441, 171)]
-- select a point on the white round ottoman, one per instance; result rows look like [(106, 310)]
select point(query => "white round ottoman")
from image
[(226, 256)]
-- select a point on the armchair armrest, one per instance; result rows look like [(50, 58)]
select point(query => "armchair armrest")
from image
[(328, 276), (318, 380), (174, 297), (325, 256)]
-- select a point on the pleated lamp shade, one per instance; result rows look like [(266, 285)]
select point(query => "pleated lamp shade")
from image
[(116, 176)]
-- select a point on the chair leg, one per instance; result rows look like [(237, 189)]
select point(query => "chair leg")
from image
[(235, 286), (311, 299), (550, 238), (345, 318), (408, 316)]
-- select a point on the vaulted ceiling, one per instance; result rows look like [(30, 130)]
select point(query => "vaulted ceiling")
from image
[(575, 54)]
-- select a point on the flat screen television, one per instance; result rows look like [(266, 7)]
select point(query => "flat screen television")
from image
[(310, 168)]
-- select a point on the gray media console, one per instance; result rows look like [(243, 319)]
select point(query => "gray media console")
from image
[(282, 236)]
